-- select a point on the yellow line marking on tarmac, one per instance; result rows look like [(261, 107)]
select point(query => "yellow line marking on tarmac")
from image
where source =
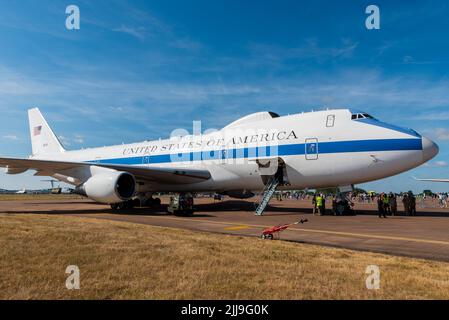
[(374, 236), (237, 228), (360, 235)]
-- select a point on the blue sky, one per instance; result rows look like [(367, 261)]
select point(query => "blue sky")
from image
[(136, 70)]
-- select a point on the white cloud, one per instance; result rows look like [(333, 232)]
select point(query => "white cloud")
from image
[(441, 163), (11, 137), (64, 140), (437, 164), (442, 134), (186, 44), (439, 134), (117, 109), (78, 139), (408, 59), (434, 115), (139, 32), (311, 49), (13, 83)]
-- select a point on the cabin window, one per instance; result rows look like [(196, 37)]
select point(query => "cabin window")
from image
[(330, 120)]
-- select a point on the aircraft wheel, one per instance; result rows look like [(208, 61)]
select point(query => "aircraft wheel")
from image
[(270, 236), (157, 201), (114, 206), (121, 206), (129, 204), (135, 202)]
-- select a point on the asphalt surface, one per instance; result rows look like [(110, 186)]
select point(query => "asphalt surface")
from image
[(424, 236)]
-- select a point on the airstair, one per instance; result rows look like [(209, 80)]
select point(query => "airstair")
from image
[(267, 193)]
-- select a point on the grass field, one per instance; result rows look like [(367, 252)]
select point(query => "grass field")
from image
[(121, 260)]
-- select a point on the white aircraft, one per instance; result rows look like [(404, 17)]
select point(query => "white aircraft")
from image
[(21, 191), (262, 151)]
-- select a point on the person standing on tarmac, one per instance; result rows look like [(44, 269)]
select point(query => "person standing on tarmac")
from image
[(412, 203), (320, 204), (380, 206), (386, 202), (393, 203), (406, 203), (314, 204)]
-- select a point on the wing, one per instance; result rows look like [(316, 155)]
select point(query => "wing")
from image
[(434, 180), (154, 174)]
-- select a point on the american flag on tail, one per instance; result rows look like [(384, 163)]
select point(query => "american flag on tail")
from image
[(37, 130)]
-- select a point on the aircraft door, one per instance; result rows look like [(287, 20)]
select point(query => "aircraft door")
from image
[(311, 149), (223, 154)]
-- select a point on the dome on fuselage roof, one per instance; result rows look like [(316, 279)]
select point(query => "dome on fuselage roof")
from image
[(253, 117)]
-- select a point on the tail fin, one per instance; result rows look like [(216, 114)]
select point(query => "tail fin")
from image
[(43, 140)]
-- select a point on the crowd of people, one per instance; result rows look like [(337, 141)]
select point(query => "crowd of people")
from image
[(387, 203), (424, 200)]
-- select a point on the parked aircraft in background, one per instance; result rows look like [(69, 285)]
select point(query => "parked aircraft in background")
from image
[(434, 180), (262, 151), (22, 191)]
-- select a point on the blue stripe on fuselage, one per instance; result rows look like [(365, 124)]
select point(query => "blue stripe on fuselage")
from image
[(270, 151)]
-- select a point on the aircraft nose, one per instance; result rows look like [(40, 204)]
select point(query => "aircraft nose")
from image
[(429, 149)]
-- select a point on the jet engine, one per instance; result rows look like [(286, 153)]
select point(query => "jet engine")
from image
[(109, 187)]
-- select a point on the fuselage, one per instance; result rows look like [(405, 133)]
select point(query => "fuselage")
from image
[(317, 149)]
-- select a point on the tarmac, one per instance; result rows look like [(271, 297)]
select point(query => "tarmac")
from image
[(425, 235)]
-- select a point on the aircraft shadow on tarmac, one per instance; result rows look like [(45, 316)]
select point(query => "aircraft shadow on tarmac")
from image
[(204, 210), (101, 209), (236, 205), (402, 214)]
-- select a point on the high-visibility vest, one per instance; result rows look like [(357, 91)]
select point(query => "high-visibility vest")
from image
[(319, 201)]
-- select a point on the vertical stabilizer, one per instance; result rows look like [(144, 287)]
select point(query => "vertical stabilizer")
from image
[(43, 140)]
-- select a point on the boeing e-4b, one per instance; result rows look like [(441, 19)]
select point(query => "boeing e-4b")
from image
[(261, 151)]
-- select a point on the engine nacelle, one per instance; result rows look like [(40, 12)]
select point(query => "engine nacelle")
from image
[(109, 187)]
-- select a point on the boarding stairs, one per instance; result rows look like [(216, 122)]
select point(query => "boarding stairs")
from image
[(267, 193)]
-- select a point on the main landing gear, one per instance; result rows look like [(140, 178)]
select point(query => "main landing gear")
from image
[(181, 204), (125, 205), (136, 202)]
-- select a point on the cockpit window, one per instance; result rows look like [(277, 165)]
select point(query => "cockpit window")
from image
[(356, 116)]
